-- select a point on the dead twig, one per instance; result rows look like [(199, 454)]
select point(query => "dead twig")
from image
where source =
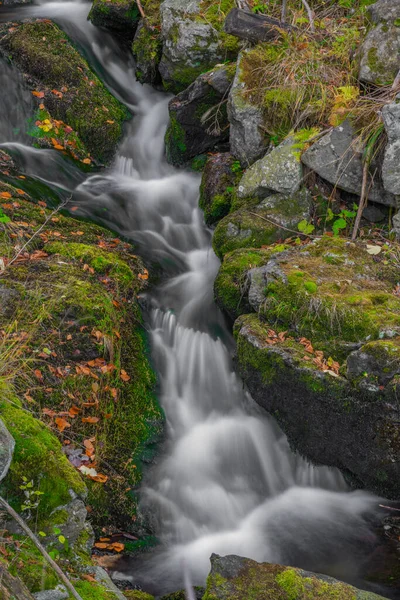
[(41, 549)]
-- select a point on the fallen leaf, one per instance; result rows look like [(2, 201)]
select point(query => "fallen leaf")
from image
[(124, 375), (38, 374), (38, 94), (5, 195), (373, 249), (73, 411), (62, 423), (90, 420)]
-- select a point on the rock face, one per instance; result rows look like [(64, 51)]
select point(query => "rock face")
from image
[(192, 44), (147, 49), (67, 90), (264, 224), (241, 578), (198, 119), (332, 378), (247, 140), (279, 171), (380, 52), (120, 16), (7, 445), (337, 157), (218, 180), (391, 160)]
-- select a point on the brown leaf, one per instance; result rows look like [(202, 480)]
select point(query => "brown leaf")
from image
[(38, 374), (38, 94), (73, 411), (124, 375), (62, 423), (5, 195), (100, 478), (90, 419)]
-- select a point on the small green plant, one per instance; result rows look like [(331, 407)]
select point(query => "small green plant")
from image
[(53, 551), (32, 496), (342, 220), (260, 7), (236, 167), (305, 227), (3, 217)]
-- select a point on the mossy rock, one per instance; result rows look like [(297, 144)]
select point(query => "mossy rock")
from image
[(231, 283), (137, 595), (273, 220), (236, 578), (217, 189), (326, 417), (67, 87), (82, 280), (121, 16), (147, 50), (193, 40)]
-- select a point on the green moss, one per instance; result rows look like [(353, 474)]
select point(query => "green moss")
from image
[(44, 52), (28, 564), (292, 583), (311, 286), (101, 261), (137, 595), (230, 283), (38, 457), (175, 141), (377, 67), (91, 590)]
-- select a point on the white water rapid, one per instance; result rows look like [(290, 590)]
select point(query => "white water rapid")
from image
[(226, 480)]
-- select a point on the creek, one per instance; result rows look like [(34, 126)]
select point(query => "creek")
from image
[(225, 480)]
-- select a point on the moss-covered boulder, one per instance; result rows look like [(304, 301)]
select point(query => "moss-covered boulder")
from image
[(120, 16), (75, 113), (147, 49), (379, 54), (278, 171), (272, 220), (236, 578), (219, 178), (12, 587), (321, 349), (193, 40), (198, 119), (248, 140)]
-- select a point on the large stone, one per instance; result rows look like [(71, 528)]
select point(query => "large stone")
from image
[(337, 158), (147, 49), (198, 119), (248, 141), (12, 588), (233, 577), (272, 220), (279, 171), (192, 44), (120, 16), (332, 379), (391, 159), (218, 180), (7, 445), (380, 52)]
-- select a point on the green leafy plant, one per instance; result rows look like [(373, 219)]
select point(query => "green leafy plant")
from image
[(236, 167), (342, 220), (32, 496), (305, 227)]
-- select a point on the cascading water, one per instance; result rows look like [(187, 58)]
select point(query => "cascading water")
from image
[(226, 480)]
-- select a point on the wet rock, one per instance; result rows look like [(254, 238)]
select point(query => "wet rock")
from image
[(396, 225), (247, 139), (198, 119), (12, 587), (104, 579), (279, 171), (147, 50), (58, 593), (181, 595), (120, 16), (71, 520), (192, 41), (235, 577), (345, 379), (373, 214), (7, 446), (380, 52), (272, 220), (218, 179), (67, 88), (390, 166), (337, 158)]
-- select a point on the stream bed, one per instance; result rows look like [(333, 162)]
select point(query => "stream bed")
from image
[(225, 480)]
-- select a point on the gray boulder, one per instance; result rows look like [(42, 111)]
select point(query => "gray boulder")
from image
[(58, 593), (217, 183), (7, 445), (396, 225), (247, 139), (380, 52), (391, 160), (120, 16), (337, 158), (72, 522), (198, 119), (279, 171), (191, 45), (147, 49)]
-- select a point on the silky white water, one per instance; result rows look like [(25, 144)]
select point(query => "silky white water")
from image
[(225, 480)]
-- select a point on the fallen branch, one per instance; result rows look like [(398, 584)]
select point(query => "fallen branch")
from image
[(51, 215), (254, 28), (140, 7), (298, 233), (363, 200), (310, 14), (41, 549)]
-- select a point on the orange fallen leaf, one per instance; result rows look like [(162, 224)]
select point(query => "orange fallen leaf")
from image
[(73, 411), (100, 478), (90, 419), (124, 375), (101, 545), (38, 374), (62, 423), (38, 94), (5, 195)]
